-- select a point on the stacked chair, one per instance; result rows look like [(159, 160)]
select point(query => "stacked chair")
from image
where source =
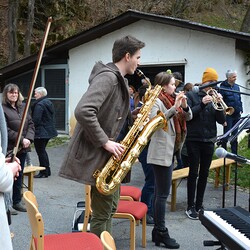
[(127, 208)]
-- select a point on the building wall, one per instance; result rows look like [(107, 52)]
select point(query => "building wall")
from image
[(165, 45)]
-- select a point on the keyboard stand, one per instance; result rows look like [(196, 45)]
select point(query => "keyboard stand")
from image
[(211, 243)]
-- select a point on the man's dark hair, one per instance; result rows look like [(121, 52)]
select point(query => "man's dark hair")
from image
[(142, 91), (127, 44), (178, 76)]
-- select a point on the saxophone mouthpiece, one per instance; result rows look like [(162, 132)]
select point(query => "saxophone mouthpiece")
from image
[(140, 73)]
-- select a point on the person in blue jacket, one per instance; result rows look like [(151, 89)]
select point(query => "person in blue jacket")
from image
[(43, 115), (232, 99)]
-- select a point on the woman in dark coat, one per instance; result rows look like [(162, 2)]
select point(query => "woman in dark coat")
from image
[(43, 115), (13, 111)]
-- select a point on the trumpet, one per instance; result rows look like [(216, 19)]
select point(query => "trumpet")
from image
[(218, 103)]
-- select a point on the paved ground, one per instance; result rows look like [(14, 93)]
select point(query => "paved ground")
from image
[(57, 198)]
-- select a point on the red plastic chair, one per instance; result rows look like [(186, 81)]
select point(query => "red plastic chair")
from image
[(130, 191), (65, 241)]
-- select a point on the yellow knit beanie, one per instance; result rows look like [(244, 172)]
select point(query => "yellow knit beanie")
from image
[(209, 75)]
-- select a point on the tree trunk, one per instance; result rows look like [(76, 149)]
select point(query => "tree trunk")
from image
[(29, 28), (12, 21), (245, 27), (4, 42)]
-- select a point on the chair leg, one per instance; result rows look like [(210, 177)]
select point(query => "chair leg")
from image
[(32, 245), (87, 208), (132, 233), (217, 177), (173, 196), (144, 233)]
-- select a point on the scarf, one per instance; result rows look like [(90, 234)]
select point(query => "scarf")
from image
[(179, 120)]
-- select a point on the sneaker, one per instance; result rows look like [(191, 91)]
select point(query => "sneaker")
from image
[(199, 209), (19, 207), (192, 213), (150, 220)]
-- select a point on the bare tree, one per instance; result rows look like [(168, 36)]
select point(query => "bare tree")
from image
[(245, 27), (12, 23), (4, 43), (29, 27)]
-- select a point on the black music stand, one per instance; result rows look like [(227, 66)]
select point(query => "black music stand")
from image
[(243, 123)]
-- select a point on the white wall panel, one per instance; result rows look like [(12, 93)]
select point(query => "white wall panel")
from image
[(165, 45)]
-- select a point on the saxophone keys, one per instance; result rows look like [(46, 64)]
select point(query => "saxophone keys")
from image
[(142, 141), (125, 165), (141, 128), (135, 153)]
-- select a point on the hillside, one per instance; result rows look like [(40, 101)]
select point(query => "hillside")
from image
[(73, 16)]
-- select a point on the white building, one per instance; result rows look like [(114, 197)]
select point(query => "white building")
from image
[(171, 43)]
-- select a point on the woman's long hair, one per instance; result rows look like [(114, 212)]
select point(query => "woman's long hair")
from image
[(11, 87)]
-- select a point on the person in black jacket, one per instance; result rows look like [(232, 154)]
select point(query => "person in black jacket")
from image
[(178, 81), (232, 99), (13, 110), (43, 115), (201, 135)]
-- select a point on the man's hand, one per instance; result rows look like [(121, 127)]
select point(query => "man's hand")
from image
[(135, 112), (14, 166), (207, 99), (26, 143), (115, 148)]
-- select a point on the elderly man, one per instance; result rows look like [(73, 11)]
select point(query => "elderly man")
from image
[(232, 99)]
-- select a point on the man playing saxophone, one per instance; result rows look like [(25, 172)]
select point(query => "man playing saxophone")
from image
[(100, 116)]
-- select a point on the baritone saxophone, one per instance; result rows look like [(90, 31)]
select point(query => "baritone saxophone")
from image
[(110, 177)]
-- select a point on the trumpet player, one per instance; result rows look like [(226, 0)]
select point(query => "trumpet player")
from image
[(201, 131)]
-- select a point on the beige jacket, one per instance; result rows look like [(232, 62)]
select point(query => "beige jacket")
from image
[(161, 147)]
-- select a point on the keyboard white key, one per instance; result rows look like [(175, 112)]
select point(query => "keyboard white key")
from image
[(228, 229)]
